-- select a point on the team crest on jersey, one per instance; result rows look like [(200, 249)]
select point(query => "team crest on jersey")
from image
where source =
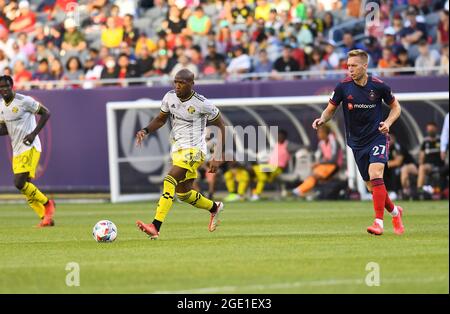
[(191, 109), (15, 109), (372, 95)]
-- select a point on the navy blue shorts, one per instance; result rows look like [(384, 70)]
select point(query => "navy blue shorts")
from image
[(377, 151)]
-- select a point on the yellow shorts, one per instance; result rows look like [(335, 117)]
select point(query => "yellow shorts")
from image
[(266, 172), (190, 159), (26, 162)]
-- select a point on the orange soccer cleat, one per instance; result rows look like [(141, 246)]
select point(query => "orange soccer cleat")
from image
[(397, 222), (375, 229), (149, 229), (48, 221), (214, 219)]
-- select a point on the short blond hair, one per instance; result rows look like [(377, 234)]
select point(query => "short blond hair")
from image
[(359, 53)]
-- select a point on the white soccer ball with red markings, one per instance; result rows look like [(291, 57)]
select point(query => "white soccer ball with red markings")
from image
[(104, 231)]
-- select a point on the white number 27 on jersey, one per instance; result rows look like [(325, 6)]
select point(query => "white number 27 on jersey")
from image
[(376, 150)]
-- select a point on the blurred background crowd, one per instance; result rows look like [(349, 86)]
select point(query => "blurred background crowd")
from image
[(88, 41)]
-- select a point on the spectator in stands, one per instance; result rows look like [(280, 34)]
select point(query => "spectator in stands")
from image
[(110, 70), (127, 7), (317, 64), (174, 24), (403, 61), (414, 32), (331, 56), (4, 62), (26, 20), (74, 70), (262, 10), (162, 64), (73, 42), (216, 59), (263, 63), (112, 35), (390, 40), (298, 10), (387, 61), (349, 43), (285, 63), (224, 40), (26, 46), (426, 59), (145, 62), (184, 63), (241, 13), (304, 35), (442, 31), (42, 72), (126, 69), (444, 64), (130, 33), (56, 69), (114, 12), (21, 75), (199, 23), (329, 157), (92, 72), (373, 48), (328, 23), (17, 55), (144, 41), (240, 63)]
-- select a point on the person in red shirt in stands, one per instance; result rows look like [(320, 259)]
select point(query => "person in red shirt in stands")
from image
[(25, 21)]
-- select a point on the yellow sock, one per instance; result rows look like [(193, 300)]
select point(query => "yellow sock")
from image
[(307, 185), (33, 193), (196, 199), (37, 207), (243, 178), (166, 199), (229, 181)]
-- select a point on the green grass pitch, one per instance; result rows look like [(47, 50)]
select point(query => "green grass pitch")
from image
[(261, 247)]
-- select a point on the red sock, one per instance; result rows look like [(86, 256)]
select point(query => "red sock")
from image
[(388, 204), (379, 195)]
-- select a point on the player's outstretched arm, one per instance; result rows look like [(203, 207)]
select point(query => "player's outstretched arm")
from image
[(326, 116), (218, 159), (393, 116), (3, 129), (154, 125), (45, 115)]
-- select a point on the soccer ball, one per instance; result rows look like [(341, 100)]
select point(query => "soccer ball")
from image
[(104, 231)]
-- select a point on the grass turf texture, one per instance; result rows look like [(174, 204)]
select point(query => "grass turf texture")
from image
[(261, 247)]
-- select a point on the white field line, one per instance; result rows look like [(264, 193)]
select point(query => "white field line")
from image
[(299, 284)]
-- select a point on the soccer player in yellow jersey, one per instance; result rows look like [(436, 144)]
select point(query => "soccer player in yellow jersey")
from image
[(17, 119), (189, 113)]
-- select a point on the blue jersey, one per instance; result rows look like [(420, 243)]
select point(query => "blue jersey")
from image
[(362, 106)]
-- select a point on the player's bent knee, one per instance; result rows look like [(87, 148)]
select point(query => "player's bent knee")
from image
[(20, 183)]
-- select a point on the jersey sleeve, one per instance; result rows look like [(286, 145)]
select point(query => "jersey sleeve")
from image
[(211, 111), (31, 105), (165, 105), (386, 94), (337, 96)]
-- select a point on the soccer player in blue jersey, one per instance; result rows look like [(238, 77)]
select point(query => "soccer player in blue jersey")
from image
[(367, 134)]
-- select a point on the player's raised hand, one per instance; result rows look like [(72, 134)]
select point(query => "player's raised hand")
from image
[(383, 128), (140, 135), (317, 123)]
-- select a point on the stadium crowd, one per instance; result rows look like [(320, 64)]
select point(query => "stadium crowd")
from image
[(65, 40)]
